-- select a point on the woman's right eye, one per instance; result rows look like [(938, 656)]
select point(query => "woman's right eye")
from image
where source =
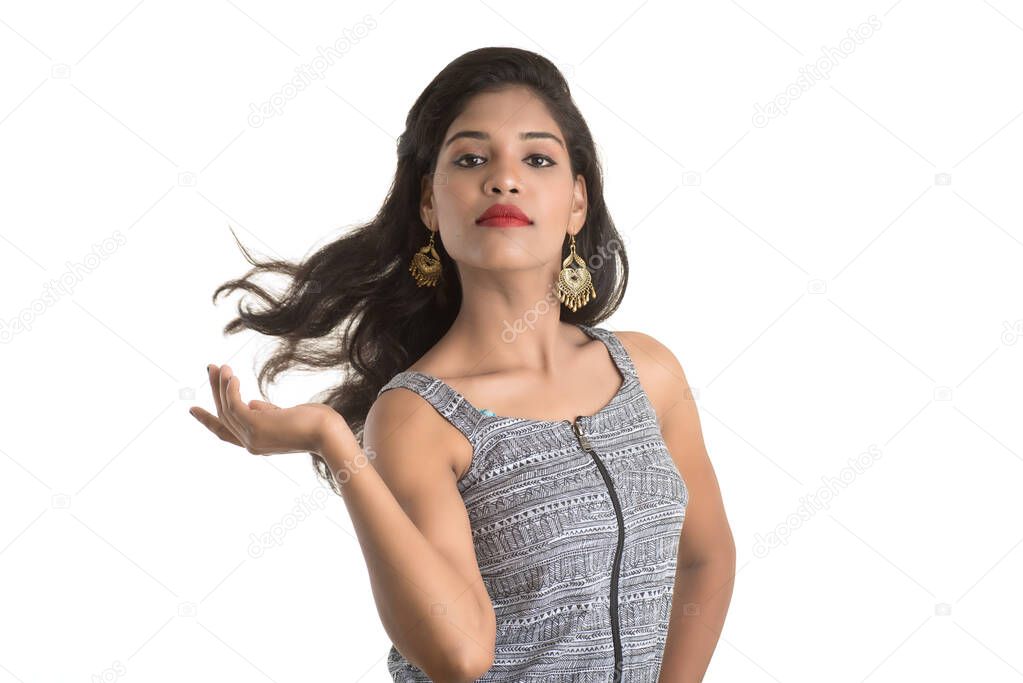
[(469, 156)]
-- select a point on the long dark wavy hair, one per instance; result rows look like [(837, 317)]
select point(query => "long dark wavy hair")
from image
[(353, 305)]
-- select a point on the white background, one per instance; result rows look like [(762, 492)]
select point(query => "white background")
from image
[(844, 280)]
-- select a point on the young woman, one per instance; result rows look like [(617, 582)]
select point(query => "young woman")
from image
[(518, 476)]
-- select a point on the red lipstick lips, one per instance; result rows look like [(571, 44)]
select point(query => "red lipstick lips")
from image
[(503, 216)]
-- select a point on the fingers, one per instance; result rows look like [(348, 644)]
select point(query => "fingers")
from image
[(214, 425), (215, 387), (218, 379), (224, 377), (226, 414), (237, 410)]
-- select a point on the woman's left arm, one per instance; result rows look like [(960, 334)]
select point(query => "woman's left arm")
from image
[(705, 572)]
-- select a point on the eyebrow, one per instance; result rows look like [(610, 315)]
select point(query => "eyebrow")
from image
[(480, 135)]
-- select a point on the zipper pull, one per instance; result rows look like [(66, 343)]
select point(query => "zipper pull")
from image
[(583, 441)]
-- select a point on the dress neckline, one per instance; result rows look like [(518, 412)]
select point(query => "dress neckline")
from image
[(489, 415)]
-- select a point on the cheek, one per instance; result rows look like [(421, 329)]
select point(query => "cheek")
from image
[(455, 198), (555, 211)]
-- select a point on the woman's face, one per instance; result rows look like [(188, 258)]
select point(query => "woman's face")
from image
[(499, 163)]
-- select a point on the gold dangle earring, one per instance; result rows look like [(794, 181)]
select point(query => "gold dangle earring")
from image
[(575, 286), (425, 266)]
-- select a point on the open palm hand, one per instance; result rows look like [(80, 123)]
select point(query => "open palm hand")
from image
[(263, 428)]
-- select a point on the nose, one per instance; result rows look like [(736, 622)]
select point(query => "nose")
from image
[(501, 180)]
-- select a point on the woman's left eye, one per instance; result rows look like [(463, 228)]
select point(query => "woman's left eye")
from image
[(550, 162)]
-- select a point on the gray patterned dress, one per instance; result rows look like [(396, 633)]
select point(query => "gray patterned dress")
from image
[(576, 528)]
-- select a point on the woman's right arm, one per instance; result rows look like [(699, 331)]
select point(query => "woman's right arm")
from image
[(414, 531)]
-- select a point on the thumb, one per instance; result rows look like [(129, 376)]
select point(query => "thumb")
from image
[(256, 404)]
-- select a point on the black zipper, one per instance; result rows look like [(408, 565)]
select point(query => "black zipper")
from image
[(615, 625)]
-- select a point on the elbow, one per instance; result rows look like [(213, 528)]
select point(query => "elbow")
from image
[(464, 662), (473, 665), (458, 657), (464, 667), (476, 656), (720, 552), (721, 556)]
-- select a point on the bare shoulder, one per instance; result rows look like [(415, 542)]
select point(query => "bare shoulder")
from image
[(404, 426), (660, 372)]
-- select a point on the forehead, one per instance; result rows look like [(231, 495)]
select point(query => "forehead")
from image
[(504, 113)]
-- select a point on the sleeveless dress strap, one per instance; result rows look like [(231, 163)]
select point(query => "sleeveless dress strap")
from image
[(615, 347), (449, 403)]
